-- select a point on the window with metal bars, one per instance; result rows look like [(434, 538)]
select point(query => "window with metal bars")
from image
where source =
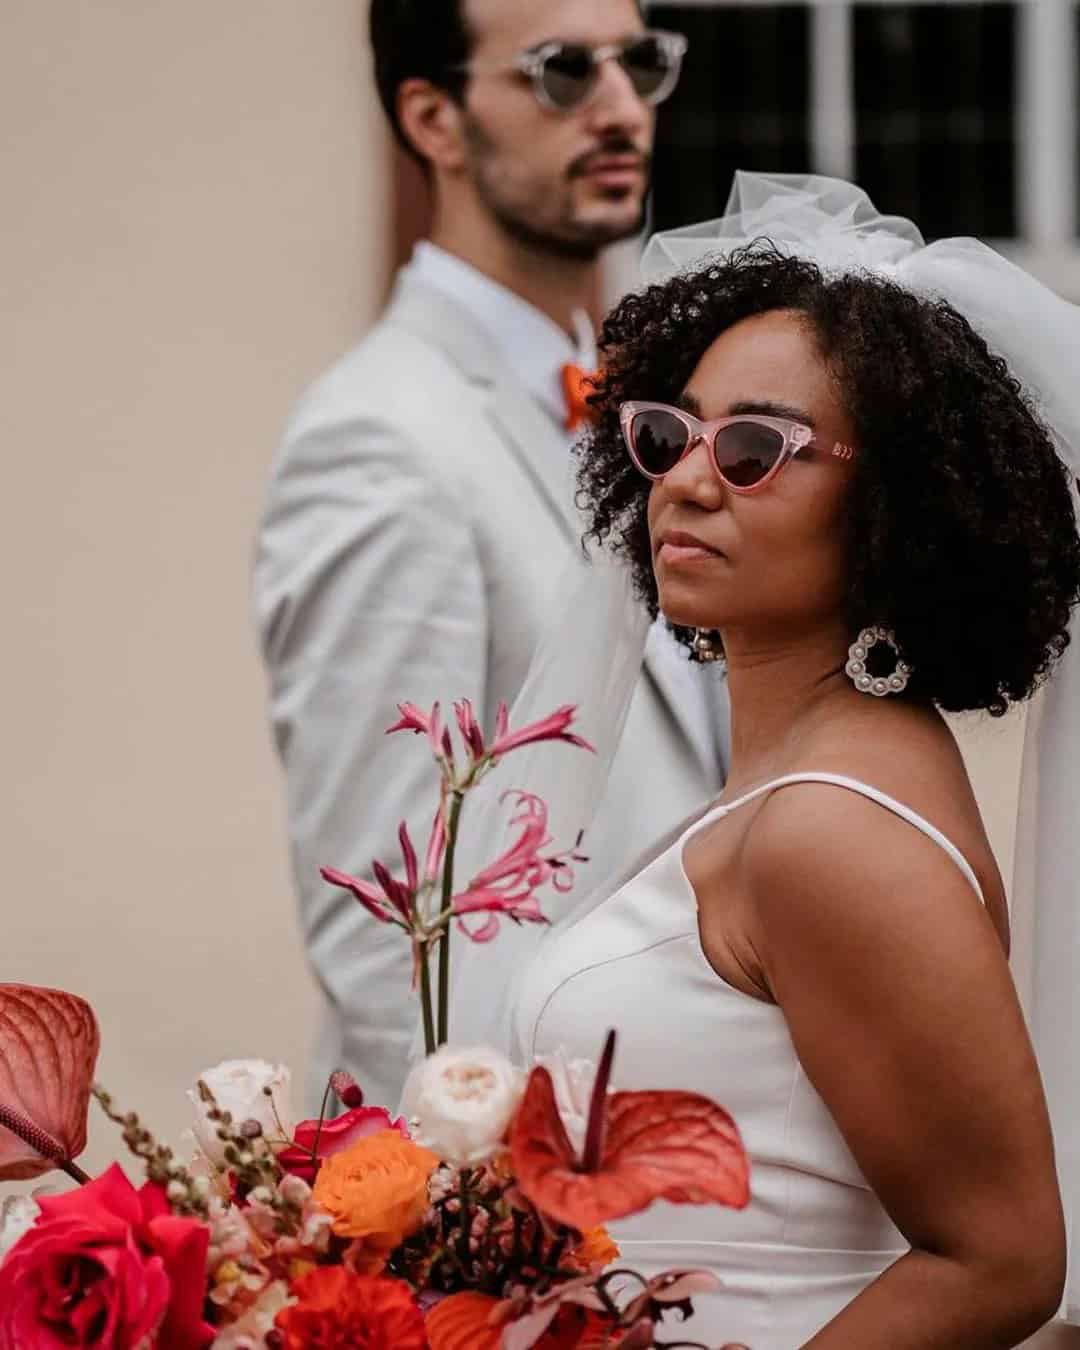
[(929, 111), (742, 103), (936, 115)]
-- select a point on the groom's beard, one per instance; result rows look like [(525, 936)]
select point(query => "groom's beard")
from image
[(546, 217)]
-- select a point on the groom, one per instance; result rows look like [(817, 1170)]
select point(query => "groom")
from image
[(420, 511)]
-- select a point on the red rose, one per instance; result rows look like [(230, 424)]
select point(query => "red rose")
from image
[(106, 1266), (335, 1135), (340, 1310)]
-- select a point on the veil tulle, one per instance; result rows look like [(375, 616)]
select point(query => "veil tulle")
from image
[(594, 655)]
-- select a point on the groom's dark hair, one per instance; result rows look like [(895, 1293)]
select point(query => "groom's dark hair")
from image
[(418, 39)]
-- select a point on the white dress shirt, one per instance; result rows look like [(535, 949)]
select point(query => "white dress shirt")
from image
[(531, 343)]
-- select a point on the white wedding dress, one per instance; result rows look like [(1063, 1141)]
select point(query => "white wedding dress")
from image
[(814, 1234)]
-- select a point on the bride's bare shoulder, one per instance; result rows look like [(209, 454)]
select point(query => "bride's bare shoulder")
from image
[(841, 836)]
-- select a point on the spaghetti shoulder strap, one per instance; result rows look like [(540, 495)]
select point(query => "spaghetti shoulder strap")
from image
[(851, 785)]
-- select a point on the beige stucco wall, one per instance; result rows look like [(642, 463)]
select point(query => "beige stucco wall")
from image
[(194, 221)]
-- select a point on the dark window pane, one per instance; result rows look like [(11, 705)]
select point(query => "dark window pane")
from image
[(935, 114), (742, 104)]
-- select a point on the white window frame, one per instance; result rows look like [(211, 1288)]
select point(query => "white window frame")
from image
[(1048, 242)]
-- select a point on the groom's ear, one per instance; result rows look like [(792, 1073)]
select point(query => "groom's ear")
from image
[(431, 120)]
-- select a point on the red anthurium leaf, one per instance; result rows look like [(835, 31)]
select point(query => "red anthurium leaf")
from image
[(675, 1146), (541, 1155), (681, 1141), (48, 1048)]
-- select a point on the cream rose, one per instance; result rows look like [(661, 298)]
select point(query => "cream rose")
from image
[(464, 1101), (18, 1214), (240, 1087)]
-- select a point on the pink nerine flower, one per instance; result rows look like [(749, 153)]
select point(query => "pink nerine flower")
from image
[(393, 901), (508, 886), (390, 900), (369, 895), (554, 727), (416, 720), (479, 756), (470, 728), (426, 724)]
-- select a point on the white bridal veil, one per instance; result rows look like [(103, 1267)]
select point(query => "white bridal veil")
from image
[(594, 658)]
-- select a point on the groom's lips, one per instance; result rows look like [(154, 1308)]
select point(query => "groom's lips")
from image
[(616, 170)]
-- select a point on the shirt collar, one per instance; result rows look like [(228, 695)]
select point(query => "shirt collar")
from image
[(532, 344)]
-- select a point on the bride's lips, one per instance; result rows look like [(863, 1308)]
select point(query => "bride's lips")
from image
[(677, 546)]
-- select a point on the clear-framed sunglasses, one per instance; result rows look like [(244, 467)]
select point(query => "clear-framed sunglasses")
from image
[(565, 75)]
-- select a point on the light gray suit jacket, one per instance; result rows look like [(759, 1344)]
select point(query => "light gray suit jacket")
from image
[(418, 517)]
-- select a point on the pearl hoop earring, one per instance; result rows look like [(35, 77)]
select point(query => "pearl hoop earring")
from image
[(880, 686), (703, 648)]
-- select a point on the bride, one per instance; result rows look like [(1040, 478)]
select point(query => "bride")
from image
[(813, 465)]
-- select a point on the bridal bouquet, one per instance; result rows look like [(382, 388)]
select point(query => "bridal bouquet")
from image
[(475, 1221)]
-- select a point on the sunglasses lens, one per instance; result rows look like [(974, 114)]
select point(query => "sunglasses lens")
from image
[(658, 440), (568, 75), (746, 451), (648, 64)]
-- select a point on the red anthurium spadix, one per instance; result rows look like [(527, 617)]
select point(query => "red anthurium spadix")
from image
[(639, 1147), (48, 1048)]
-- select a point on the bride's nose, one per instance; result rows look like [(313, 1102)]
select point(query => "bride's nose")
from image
[(694, 478)]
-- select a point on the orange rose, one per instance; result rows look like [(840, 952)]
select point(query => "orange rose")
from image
[(376, 1190), (595, 1250), (338, 1310)]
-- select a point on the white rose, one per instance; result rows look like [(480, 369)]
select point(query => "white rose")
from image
[(464, 1101), (239, 1087), (18, 1214), (573, 1081)]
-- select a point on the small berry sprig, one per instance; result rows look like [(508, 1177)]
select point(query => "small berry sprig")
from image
[(188, 1195)]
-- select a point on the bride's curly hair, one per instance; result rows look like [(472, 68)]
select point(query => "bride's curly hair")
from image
[(972, 557)]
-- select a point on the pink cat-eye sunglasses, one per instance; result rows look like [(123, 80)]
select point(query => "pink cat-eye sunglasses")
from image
[(746, 451)]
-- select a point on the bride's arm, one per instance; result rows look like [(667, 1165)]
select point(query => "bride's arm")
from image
[(904, 1015)]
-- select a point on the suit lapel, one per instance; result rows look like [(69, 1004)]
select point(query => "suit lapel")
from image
[(542, 448), (528, 431)]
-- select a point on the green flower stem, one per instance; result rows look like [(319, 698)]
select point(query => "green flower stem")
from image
[(318, 1128), (456, 802), (425, 1000)]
